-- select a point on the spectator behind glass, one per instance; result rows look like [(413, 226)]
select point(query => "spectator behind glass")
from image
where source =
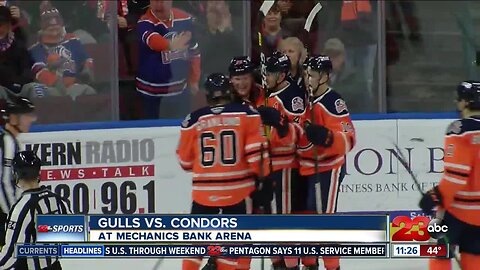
[(169, 61), (15, 62), (219, 33), (86, 19), (346, 80), (296, 52), (358, 32), (61, 62), (19, 21), (272, 33)]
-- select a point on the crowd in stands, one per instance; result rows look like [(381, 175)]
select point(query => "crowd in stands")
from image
[(59, 52)]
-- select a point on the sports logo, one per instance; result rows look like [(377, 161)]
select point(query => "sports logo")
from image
[(297, 104), (60, 228), (215, 250), (340, 105), (186, 121), (43, 228), (455, 127), (420, 228)]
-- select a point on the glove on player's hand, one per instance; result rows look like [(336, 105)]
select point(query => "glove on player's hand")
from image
[(430, 199), (319, 135), (272, 117)]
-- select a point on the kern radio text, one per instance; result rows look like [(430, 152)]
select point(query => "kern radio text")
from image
[(174, 223), (61, 228)]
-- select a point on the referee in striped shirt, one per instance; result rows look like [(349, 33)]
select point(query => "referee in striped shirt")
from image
[(19, 116), (21, 227)]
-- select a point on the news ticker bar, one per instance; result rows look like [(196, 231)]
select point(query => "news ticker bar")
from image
[(213, 228), (146, 250), (403, 250)]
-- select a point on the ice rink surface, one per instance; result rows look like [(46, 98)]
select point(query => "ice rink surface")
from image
[(175, 264)]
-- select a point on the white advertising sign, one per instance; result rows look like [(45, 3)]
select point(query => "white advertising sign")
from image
[(115, 171), (135, 170)]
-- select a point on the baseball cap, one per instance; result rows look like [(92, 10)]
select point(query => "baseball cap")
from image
[(333, 46)]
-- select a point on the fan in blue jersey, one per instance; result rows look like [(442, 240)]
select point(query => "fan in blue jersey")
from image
[(169, 59)]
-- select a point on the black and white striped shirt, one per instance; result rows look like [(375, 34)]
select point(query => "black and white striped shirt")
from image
[(21, 227), (8, 190)]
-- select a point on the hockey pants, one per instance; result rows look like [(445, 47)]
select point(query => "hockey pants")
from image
[(322, 199)]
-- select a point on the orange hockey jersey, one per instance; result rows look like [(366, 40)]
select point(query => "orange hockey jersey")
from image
[(330, 111), (290, 102), (460, 184), (223, 147)]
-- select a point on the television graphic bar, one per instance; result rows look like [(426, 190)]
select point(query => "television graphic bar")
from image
[(61, 228), (245, 229)]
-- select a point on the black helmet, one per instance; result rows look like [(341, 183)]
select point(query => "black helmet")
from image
[(26, 165), (217, 86), (470, 92), (320, 63), (240, 65), (278, 62), (18, 105)]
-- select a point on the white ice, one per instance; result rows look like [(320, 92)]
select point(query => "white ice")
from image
[(175, 264)]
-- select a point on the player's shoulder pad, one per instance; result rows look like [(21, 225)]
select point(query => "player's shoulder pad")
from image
[(193, 117), (334, 103), (236, 107), (293, 99), (461, 126)]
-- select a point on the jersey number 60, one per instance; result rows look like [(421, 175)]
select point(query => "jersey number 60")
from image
[(226, 142)]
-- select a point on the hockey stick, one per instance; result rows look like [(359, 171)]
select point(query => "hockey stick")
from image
[(264, 9), (308, 26), (403, 161), (158, 264)]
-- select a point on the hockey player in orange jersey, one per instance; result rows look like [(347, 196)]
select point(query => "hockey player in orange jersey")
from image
[(458, 193), (329, 135), (241, 71), (222, 145), (282, 132), (289, 188)]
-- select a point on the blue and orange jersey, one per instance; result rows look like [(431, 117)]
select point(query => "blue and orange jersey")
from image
[(161, 71), (330, 111), (291, 103), (460, 183), (70, 52), (226, 151)]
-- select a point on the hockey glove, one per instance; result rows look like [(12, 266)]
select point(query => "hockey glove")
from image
[(272, 117), (263, 194), (430, 199), (319, 135)]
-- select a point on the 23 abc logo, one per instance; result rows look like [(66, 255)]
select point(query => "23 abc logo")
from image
[(215, 250), (426, 228)]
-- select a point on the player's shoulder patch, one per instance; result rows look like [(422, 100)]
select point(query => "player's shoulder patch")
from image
[(298, 104), (292, 99), (193, 117), (455, 127), (334, 103), (340, 105), (186, 121), (463, 125)]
